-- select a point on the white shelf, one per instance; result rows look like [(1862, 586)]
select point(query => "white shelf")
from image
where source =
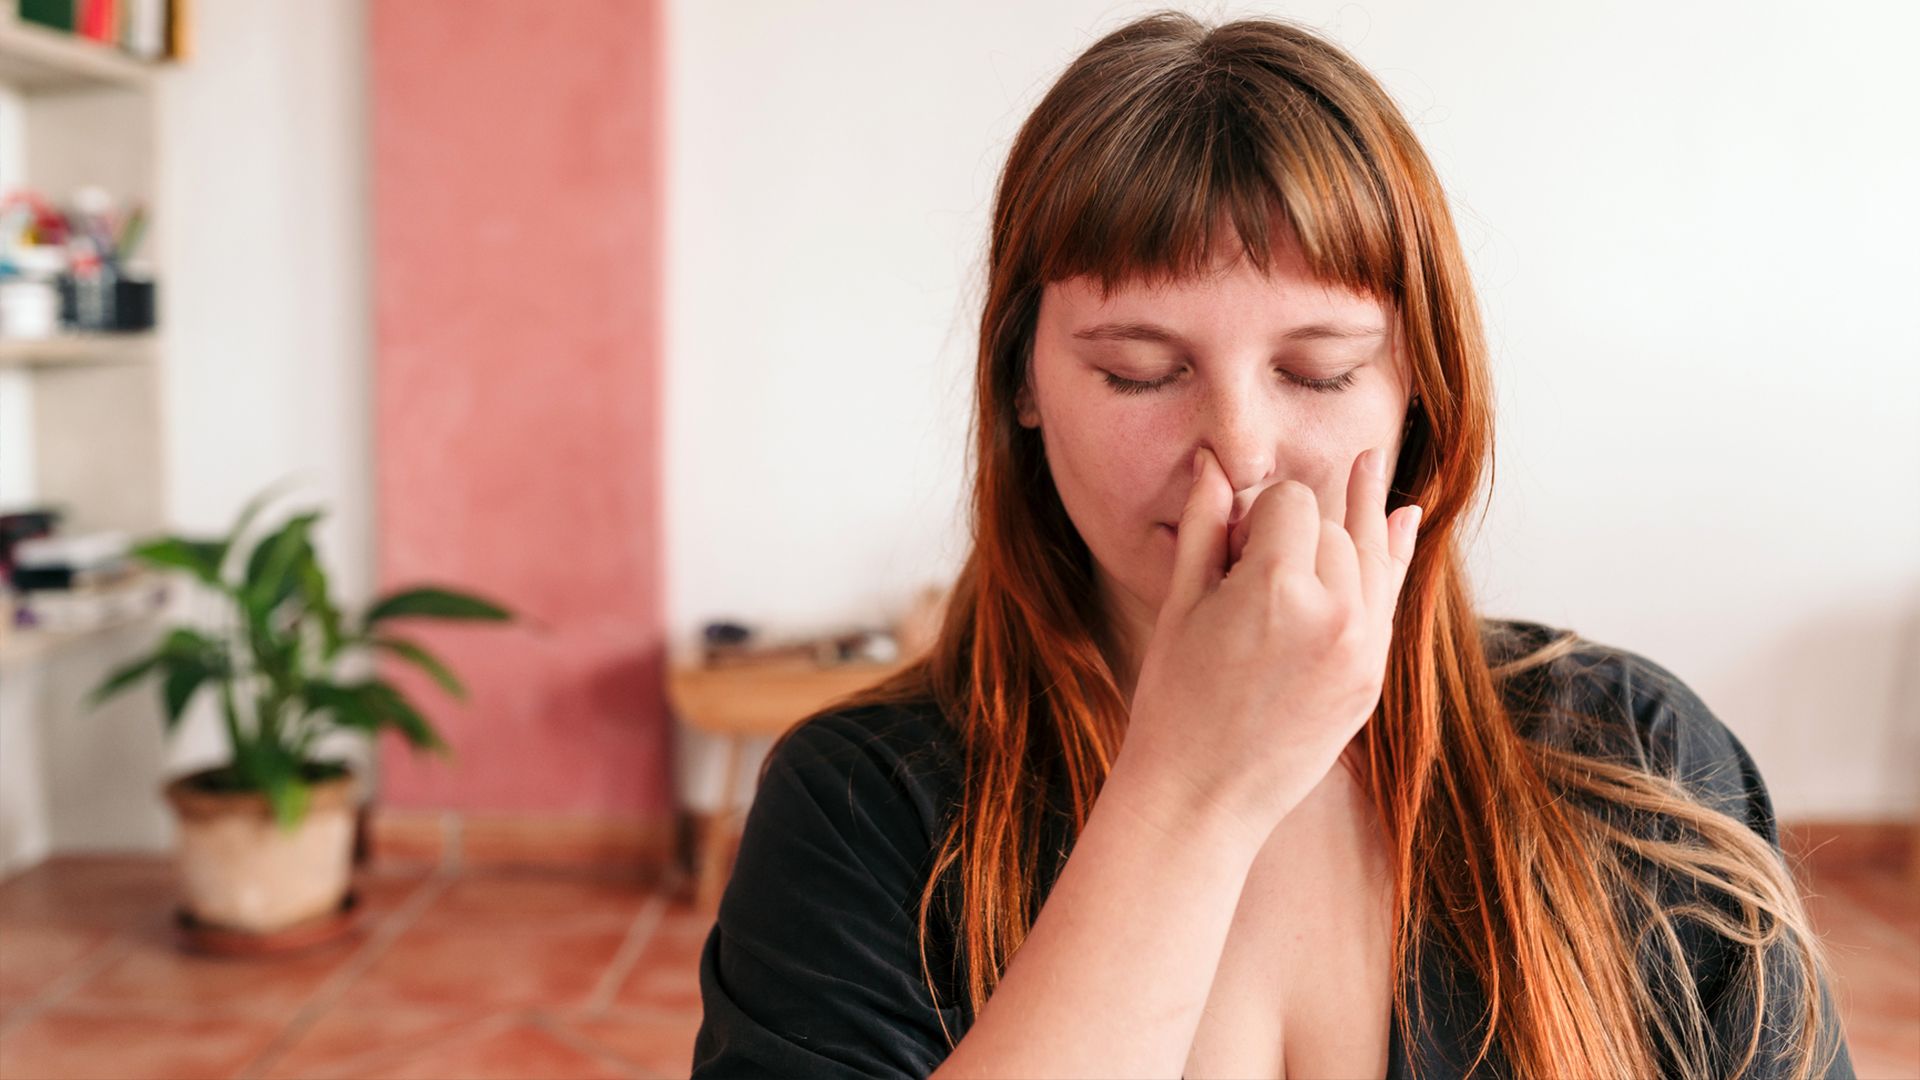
[(40, 60), (26, 645), (67, 350), (85, 113)]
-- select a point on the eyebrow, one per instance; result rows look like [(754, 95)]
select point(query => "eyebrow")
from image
[(1146, 331)]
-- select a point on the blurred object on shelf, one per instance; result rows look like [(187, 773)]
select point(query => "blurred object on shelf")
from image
[(148, 30), (30, 290), (133, 301), (28, 579), (143, 31), (123, 596), (81, 582), (80, 551), (52, 14), (23, 524), (72, 271), (732, 644), (725, 637), (29, 220)]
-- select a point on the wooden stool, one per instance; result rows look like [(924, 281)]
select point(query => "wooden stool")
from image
[(744, 701)]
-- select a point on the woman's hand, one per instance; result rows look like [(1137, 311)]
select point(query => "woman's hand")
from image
[(1271, 646)]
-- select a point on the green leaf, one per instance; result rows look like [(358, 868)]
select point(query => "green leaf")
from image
[(435, 603), (313, 589), (199, 557), (425, 661), (272, 570), (251, 511), (350, 708), (375, 705), (190, 659), (124, 676), (179, 689), (286, 792), (186, 658), (400, 713), (186, 643)]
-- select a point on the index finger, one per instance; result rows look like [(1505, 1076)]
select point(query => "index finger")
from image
[(1367, 524)]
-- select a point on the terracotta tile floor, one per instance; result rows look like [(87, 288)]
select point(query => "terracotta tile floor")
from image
[(535, 975)]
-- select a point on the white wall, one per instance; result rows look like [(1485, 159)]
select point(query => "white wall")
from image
[(270, 309), (1691, 226)]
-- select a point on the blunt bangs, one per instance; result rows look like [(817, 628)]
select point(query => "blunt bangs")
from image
[(1213, 150)]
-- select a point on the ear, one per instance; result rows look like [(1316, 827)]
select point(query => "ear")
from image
[(1024, 408)]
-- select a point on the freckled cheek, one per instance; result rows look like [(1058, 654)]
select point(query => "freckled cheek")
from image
[(1126, 462)]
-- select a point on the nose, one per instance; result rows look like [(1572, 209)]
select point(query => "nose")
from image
[(1238, 430)]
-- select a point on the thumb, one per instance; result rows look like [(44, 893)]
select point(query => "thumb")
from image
[(1200, 549)]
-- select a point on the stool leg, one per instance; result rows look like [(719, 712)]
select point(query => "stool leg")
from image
[(713, 846)]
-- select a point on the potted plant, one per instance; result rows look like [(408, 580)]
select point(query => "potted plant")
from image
[(266, 839)]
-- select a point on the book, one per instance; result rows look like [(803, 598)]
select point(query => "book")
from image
[(56, 14), (98, 20), (143, 28)]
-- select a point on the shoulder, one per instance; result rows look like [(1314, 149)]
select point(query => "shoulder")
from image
[(909, 744), (881, 776), (901, 736), (1609, 701)]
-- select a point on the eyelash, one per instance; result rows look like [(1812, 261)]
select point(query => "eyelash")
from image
[(1323, 386)]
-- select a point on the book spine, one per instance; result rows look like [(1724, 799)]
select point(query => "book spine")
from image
[(179, 29), (56, 14)]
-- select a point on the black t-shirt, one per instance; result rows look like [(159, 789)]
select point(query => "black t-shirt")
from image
[(813, 967)]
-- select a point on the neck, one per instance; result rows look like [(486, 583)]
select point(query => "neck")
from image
[(1123, 641)]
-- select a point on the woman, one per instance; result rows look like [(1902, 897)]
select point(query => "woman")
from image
[(1213, 768)]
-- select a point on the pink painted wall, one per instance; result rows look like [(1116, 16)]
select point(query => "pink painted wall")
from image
[(517, 193)]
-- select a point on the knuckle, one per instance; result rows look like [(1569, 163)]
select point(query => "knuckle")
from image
[(1277, 497), (1287, 587), (1297, 491), (1290, 591), (1350, 629)]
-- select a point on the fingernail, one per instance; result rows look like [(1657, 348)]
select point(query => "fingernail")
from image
[(1197, 466), (1413, 521), (1377, 461)]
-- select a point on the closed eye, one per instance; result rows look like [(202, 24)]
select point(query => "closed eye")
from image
[(1325, 386)]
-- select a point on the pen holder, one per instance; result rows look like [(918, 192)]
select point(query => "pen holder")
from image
[(133, 302), (106, 300), (86, 300)]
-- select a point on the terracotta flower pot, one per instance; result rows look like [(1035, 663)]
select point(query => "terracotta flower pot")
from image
[(240, 871)]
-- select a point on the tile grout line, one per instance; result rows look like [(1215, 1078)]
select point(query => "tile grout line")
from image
[(336, 984), (559, 1031), (487, 1025), (645, 1012), (646, 922), (478, 1027), (116, 947)]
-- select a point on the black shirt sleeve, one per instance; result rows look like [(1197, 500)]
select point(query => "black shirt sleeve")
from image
[(813, 966)]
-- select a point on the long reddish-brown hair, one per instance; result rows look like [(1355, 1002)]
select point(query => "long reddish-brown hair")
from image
[(1160, 131)]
